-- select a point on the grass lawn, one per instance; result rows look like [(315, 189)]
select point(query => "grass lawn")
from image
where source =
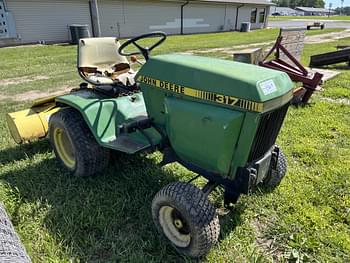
[(278, 18), (107, 218)]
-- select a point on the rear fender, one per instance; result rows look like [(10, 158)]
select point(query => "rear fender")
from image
[(101, 114)]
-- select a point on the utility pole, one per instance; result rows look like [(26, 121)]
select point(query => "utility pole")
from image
[(329, 10), (341, 7)]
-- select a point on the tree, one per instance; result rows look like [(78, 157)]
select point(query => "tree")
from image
[(344, 11)]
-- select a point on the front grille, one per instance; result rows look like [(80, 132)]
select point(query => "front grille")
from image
[(265, 137)]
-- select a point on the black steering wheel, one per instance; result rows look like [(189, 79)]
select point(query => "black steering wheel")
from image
[(144, 51)]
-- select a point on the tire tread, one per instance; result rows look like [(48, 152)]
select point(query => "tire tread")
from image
[(91, 157), (275, 177), (202, 213)]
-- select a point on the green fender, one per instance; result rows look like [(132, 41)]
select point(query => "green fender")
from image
[(103, 115)]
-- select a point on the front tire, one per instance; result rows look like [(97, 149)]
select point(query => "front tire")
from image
[(74, 146), (183, 213), (275, 176)]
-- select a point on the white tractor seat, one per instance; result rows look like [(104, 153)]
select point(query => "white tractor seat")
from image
[(100, 63)]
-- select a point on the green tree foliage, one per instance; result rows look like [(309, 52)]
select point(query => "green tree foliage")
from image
[(344, 11), (295, 3)]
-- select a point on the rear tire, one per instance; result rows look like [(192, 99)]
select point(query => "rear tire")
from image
[(275, 176), (74, 145), (187, 219)]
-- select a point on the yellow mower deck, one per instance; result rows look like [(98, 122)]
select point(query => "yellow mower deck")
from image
[(32, 123)]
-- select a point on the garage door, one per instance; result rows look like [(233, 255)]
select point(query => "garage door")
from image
[(204, 18), (131, 18), (48, 20)]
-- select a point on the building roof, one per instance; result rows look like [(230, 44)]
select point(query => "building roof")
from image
[(312, 9), (283, 9), (257, 2)]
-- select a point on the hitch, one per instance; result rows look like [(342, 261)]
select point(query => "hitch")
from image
[(287, 62)]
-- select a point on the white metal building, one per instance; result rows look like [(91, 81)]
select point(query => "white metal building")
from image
[(312, 11), (284, 11), (32, 21)]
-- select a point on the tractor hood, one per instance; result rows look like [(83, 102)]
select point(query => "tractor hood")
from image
[(220, 81)]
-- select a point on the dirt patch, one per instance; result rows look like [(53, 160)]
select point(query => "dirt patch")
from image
[(3, 97), (267, 244), (37, 94), (6, 82), (228, 50), (343, 101), (329, 37)]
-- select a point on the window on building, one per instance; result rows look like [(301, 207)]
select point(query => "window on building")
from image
[(253, 15), (262, 16)]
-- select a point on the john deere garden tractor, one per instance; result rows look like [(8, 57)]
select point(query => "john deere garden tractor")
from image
[(219, 119)]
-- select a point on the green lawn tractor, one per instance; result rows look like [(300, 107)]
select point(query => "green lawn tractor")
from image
[(219, 119)]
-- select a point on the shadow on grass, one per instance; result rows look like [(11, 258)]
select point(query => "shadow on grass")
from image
[(230, 221), (102, 218), (24, 151), (309, 104)]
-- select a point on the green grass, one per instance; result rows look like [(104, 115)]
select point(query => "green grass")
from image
[(106, 218), (279, 18)]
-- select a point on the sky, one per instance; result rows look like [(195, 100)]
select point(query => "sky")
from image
[(336, 3)]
